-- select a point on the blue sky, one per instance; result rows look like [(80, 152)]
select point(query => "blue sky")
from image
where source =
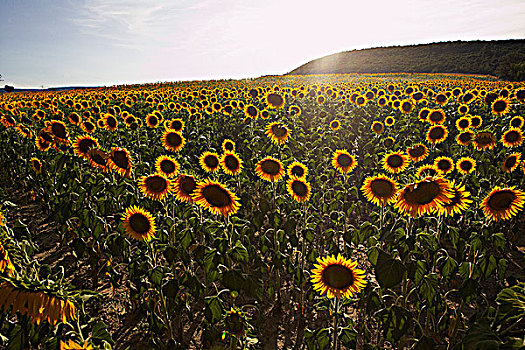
[(105, 42)]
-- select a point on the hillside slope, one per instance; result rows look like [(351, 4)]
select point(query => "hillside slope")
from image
[(502, 58)]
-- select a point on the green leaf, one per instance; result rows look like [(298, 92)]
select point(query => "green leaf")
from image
[(511, 303), (100, 332), (428, 288), (389, 272), (480, 337), (213, 311), (469, 289), (156, 276), (396, 322), (232, 280)]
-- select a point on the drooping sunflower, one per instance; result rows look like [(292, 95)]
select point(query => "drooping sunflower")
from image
[(120, 161), (277, 132), (42, 144), (58, 130), (380, 190), (82, 144), (210, 162), (458, 203), (503, 203), (512, 138), (216, 198), (337, 277), (444, 164), (417, 152), (343, 161), (139, 224), (175, 125), (424, 196), (110, 122), (437, 134), (155, 186), (36, 165), (511, 162), (297, 169), (484, 140), (377, 127), (395, 162), (269, 169), (466, 165), (299, 189), (184, 186), (173, 141), (335, 124), (167, 166), (228, 145), (517, 122), (436, 116), (98, 158), (465, 138), (231, 163), (500, 106), (275, 100), (427, 170)]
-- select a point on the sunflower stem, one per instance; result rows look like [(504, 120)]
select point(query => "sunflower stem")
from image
[(336, 313)]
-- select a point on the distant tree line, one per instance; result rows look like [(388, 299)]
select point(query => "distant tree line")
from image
[(502, 58)]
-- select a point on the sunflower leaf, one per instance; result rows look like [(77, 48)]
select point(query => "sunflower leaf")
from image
[(389, 271)]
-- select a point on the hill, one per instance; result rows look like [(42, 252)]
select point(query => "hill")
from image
[(502, 58)]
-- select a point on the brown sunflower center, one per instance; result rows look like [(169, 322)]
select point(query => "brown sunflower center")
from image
[(234, 324), (499, 106), (270, 167), (278, 130), (36, 165), (156, 184), (44, 135), (394, 161), (228, 146), (423, 193), (139, 223), (382, 188), (463, 123), (231, 162), (512, 136), (407, 106), (176, 125), (444, 165), (84, 145), (111, 122), (252, 111), (216, 196), (89, 126), (377, 127), (153, 120), (167, 166), (187, 184), (98, 156), (297, 171), (475, 121), (484, 138), (299, 188), (465, 137), (436, 133), (501, 200), (275, 99), (173, 139), (465, 165), (211, 161), (338, 277), (417, 151), (510, 161), (344, 160), (121, 159)]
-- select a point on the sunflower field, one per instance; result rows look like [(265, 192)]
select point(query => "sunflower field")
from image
[(291, 212)]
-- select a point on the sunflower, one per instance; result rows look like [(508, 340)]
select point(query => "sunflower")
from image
[(476, 121), (436, 116), (423, 114), (361, 101), (463, 123), (265, 114), (297, 169), (74, 118), (389, 121), (6, 265), (299, 189), (275, 100), (337, 277), (377, 127), (335, 124), (444, 164), (343, 161), (269, 169), (183, 187), (503, 203), (42, 144), (139, 224), (57, 129), (517, 122), (380, 190), (406, 106), (437, 134), (155, 186), (388, 142), (175, 125), (277, 132), (173, 141), (424, 196), (120, 161), (458, 203), (511, 162), (210, 162), (427, 170), (395, 162), (250, 111), (82, 144), (228, 145), (466, 165), (294, 110), (153, 120), (463, 109), (417, 152), (500, 106), (465, 138), (216, 198), (87, 126), (98, 158), (71, 345), (36, 165), (512, 138), (231, 164), (484, 140), (167, 166), (110, 122)]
